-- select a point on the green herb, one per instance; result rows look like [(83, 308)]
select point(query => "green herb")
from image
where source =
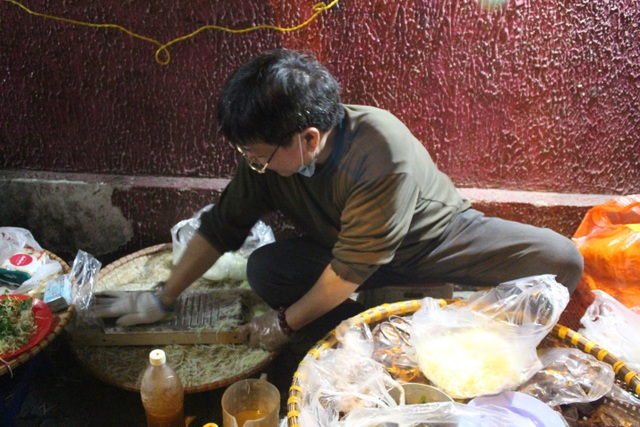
[(17, 323)]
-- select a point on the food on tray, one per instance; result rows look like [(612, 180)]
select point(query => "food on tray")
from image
[(196, 365), (17, 323), (471, 362)]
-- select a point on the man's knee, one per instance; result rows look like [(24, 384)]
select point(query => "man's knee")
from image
[(258, 265), (570, 266)]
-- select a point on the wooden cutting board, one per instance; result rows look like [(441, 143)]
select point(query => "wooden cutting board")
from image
[(201, 317), (97, 337)]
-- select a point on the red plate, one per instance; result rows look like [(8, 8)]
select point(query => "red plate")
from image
[(44, 319)]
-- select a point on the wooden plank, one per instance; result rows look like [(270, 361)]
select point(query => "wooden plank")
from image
[(95, 337)]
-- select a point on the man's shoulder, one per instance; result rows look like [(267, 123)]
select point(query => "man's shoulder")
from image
[(374, 123), (358, 110), (378, 142)]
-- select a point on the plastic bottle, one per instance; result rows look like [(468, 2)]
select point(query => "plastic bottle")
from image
[(162, 393)]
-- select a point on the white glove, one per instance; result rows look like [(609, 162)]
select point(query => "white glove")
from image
[(130, 307)]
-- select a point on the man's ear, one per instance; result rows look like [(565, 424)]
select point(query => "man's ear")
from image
[(311, 138)]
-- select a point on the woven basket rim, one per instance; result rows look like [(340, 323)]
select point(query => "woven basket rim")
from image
[(131, 257), (625, 376), (98, 371)]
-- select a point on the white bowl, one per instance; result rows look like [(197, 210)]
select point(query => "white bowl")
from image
[(524, 405)]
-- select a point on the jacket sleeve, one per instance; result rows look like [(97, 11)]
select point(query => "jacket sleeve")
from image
[(241, 205), (374, 224)]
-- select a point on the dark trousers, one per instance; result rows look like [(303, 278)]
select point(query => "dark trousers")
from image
[(473, 250)]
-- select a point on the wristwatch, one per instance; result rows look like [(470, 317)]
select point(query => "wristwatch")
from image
[(158, 291)]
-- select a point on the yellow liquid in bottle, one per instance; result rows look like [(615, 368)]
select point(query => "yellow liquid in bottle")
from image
[(166, 420), (244, 416)]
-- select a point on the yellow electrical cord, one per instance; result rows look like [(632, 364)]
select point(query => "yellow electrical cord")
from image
[(318, 8)]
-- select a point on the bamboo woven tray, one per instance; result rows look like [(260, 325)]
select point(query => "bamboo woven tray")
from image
[(200, 367), (60, 320), (560, 336)]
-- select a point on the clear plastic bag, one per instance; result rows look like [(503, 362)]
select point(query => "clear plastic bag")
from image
[(84, 272), (488, 344), (443, 414), (569, 375), (49, 268), (614, 327), (183, 232), (624, 399), (340, 381), (12, 240), (231, 265), (392, 348), (344, 378)]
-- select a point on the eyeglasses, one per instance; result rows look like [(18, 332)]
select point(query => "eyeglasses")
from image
[(253, 161)]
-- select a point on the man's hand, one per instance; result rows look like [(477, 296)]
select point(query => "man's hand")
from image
[(265, 332), (130, 307)]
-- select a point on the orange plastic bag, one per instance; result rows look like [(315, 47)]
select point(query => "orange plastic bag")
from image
[(609, 240)]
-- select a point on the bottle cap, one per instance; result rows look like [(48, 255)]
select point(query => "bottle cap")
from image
[(157, 357)]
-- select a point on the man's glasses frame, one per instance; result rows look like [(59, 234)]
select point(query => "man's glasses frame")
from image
[(253, 161)]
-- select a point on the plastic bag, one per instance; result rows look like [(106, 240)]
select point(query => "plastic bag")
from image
[(488, 344), (624, 398), (14, 239), (340, 381), (609, 240), (231, 265), (444, 414), (83, 275), (344, 378), (614, 327), (49, 268), (569, 375), (392, 348), (355, 338)]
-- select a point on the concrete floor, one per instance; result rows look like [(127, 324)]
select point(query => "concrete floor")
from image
[(63, 394)]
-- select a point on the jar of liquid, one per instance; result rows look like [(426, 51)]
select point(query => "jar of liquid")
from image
[(162, 393)]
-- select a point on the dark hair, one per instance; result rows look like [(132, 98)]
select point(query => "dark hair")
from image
[(275, 95)]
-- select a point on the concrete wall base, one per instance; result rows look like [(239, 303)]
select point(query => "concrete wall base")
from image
[(110, 216)]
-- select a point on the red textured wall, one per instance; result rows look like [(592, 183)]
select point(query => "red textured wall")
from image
[(538, 95)]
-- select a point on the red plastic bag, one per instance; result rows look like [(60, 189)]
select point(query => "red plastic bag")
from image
[(609, 240)]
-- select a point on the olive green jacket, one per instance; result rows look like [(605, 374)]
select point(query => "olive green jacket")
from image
[(378, 199)]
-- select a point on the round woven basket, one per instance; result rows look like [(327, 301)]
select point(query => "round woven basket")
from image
[(60, 320), (200, 367), (560, 336)]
